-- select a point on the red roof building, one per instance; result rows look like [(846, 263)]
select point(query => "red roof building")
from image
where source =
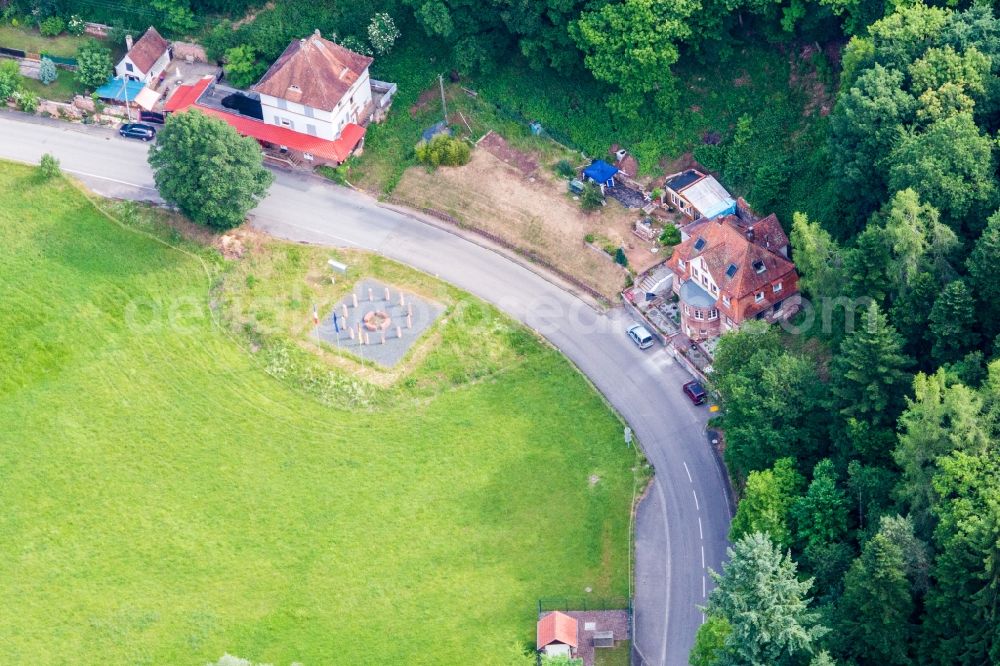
[(310, 148), (555, 630), (730, 269)]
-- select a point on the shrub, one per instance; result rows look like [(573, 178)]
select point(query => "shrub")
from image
[(670, 236), (591, 198), (656, 194), (357, 45), (620, 257), (589, 238), (382, 33), (76, 25), (10, 79), (48, 167), (565, 169), (443, 150), (47, 71), (94, 64), (27, 101), (53, 26)]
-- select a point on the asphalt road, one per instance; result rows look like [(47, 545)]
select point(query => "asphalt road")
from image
[(681, 524)]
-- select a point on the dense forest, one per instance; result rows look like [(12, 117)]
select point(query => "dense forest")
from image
[(862, 439)]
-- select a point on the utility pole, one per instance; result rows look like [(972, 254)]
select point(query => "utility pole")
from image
[(443, 104)]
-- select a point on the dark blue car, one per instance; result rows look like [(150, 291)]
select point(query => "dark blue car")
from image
[(138, 131)]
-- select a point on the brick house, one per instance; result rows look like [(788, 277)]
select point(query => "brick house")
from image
[(730, 269)]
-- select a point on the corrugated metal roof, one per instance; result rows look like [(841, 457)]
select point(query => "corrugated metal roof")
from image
[(709, 197)]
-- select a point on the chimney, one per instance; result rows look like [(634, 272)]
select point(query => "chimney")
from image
[(316, 33), (128, 42), (750, 234)]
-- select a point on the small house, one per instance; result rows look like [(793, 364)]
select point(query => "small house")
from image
[(558, 635), (146, 59), (698, 195)]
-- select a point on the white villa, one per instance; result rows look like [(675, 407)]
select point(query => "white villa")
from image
[(317, 88)]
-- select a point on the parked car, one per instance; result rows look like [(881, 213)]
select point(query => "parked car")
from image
[(138, 131), (152, 117), (641, 336), (695, 391)]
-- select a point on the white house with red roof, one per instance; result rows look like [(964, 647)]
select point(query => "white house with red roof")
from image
[(146, 59), (307, 108), (316, 87)]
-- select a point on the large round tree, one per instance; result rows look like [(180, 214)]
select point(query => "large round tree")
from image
[(205, 168)]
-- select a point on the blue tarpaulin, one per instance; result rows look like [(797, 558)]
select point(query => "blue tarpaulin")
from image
[(115, 90), (601, 172)]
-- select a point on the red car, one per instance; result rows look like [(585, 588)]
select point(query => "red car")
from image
[(695, 391)]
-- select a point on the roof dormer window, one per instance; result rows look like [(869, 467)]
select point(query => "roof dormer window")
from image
[(759, 266), (699, 244)]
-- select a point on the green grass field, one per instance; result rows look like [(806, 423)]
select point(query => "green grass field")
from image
[(60, 90), (30, 40), (166, 500)]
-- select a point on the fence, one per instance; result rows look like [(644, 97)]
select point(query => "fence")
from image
[(585, 604), (13, 53), (59, 60)]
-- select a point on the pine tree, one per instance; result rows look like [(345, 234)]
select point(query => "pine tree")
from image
[(874, 613), (952, 323), (766, 605), (868, 376), (820, 516), (982, 264)]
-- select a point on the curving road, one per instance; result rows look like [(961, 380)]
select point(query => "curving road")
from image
[(683, 520)]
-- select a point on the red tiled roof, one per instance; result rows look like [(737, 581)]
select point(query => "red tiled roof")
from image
[(187, 94), (557, 627), (145, 52), (727, 243), (338, 150), (314, 71)]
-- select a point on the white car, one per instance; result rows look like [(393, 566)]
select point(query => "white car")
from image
[(641, 336)]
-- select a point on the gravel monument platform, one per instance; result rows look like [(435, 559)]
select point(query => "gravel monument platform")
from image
[(377, 322)]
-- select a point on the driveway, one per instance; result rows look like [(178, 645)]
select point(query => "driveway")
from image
[(682, 523)]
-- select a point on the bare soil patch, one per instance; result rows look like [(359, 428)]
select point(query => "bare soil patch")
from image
[(535, 215), (497, 146)]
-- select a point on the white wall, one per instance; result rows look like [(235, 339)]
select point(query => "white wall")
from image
[(136, 73), (328, 124)]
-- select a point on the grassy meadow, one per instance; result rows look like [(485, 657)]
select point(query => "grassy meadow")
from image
[(179, 482)]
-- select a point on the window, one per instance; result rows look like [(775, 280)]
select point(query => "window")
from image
[(704, 279), (681, 264), (308, 111), (307, 156), (776, 287), (675, 199), (758, 297), (713, 314), (699, 244), (731, 271), (726, 301), (759, 266), (729, 322), (282, 104), (311, 129), (129, 67), (699, 315), (694, 272), (715, 290), (285, 122)]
